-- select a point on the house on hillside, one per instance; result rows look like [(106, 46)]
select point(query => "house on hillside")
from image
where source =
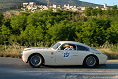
[(31, 6), (25, 4)]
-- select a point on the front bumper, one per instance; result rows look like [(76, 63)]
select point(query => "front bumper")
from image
[(25, 56)]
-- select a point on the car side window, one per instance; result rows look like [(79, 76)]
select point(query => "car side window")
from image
[(68, 47), (82, 48)]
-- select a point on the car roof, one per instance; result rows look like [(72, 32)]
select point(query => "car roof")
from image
[(73, 42)]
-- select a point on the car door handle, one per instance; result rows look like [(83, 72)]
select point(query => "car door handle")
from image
[(59, 51)]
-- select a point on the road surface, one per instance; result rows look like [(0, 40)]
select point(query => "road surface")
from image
[(13, 68)]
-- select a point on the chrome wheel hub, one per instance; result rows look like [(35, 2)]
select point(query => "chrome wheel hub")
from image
[(91, 61)]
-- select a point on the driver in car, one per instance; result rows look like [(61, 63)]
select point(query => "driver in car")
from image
[(67, 47), (72, 48)]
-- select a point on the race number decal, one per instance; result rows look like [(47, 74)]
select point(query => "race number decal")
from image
[(66, 54)]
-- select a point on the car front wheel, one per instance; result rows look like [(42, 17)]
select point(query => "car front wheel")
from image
[(35, 61), (90, 61)]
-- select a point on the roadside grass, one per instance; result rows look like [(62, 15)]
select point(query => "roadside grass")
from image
[(111, 54), (110, 50), (15, 50)]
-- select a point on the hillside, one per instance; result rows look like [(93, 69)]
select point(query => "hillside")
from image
[(71, 2), (14, 4)]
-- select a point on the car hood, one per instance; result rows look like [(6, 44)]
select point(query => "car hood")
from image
[(37, 48)]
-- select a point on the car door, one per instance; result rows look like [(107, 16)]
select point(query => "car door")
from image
[(66, 57)]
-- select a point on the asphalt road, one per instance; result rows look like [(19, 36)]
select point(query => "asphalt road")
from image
[(13, 68)]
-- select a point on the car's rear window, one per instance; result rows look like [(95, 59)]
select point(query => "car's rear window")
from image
[(82, 48)]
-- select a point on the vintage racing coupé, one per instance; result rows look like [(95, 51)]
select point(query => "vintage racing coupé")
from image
[(64, 53)]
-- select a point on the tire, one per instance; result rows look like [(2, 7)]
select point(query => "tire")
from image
[(35, 61), (90, 61)]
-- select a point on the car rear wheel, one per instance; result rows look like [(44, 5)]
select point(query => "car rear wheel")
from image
[(90, 61), (35, 61)]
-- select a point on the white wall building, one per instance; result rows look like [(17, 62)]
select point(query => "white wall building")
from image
[(105, 5), (25, 4), (32, 3), (54, 6), (82, 8)]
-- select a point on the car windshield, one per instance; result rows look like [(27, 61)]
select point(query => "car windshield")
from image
[(56, 45)]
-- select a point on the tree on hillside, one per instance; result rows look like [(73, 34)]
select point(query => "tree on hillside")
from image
[(112, 32), (88, 11), (99, 11), (112, 10), (1, 18), (62, 31), (4, 34), (32, 35), (93, 31), (18, 24)]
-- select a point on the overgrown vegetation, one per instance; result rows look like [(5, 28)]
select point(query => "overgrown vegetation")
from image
[(95, 28), (13, 50)]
